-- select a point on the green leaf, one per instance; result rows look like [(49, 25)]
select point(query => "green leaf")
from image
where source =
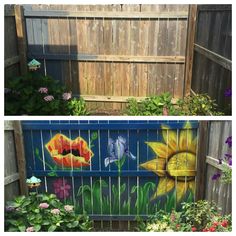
[(36, 151), (52, 228), (22, 228), (37, 228)]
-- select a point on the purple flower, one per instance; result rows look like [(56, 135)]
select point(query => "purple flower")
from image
[(68, 208), (9, 208), (66, 96), (48, 98), (229, 141), (228, 156), (30, 229), (116, 150), (43, 90), (215, 176), (43, 205), (228, 92), (55, 211), (230, 162)]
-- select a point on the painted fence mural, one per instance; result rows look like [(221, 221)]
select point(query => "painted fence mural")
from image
[(114, 168)]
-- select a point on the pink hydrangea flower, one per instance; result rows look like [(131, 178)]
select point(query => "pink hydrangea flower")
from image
[(66, 96), (43, 205), (55, 211), (30, 229), (48, 98), (43, 90), (68, 208), (61, 188)]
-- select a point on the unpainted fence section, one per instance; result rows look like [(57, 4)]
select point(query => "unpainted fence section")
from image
[(14, 42), (212, 64), (14, 181), (216, 190), (77, 160), (107, 53)]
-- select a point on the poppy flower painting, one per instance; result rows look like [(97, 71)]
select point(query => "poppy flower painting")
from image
[(69, 153)]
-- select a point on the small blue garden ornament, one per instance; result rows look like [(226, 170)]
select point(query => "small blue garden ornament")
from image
[(34, 65), (33, 182)]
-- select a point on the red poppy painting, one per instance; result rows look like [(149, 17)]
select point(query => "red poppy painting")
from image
[(69, 153)]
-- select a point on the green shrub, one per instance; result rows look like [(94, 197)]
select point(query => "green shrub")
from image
[(77, 107), (196, 216), (199, 104), (34, 94), (43, 212), (151, 106)]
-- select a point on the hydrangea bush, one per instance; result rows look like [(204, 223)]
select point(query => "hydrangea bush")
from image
[(43, 212), (34, 94)]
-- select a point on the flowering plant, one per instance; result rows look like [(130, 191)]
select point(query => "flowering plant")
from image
[(43, 212), (194, 217), (226, 163), (34, 94)]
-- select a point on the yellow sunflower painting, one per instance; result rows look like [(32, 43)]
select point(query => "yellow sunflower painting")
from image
[(175, 161)]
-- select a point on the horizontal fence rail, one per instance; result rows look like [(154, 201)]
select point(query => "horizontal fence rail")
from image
[(114, 170)]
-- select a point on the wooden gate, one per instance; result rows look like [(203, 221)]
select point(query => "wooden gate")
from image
[(114, 169)]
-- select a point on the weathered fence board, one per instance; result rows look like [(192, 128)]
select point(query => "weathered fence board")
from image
[(14, 162), (212, 63), (115, 50), (216, 190), (99, 184)]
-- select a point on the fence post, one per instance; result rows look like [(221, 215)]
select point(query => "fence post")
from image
[(201, 159), (21, 37), (20, 155), (190, 49)]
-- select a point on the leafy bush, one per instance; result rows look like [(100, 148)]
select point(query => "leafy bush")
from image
[(199, 216), (200, 104), (151, 106), (41, 212), (34, 94), (77, 107)]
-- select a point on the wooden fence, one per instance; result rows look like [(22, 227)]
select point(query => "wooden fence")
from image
[(212, 65), (77, 160), (14, 159), (107, 53), (15, 42), (121, 173), (216, 190)]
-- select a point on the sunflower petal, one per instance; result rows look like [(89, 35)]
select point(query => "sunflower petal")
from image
[(165, 185), (170, 137), (185, 137), (191, 185), (156, 165), (181, 189), (160, 149), (193, 145)]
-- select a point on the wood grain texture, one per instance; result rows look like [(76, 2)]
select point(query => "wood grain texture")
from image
[(112, 50)]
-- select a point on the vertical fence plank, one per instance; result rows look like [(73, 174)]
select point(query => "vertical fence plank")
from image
[(20, 154), (201, 160), (21, 37), (190, 48)]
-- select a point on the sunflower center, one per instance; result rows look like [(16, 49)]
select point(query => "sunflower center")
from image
[(182, 165)]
